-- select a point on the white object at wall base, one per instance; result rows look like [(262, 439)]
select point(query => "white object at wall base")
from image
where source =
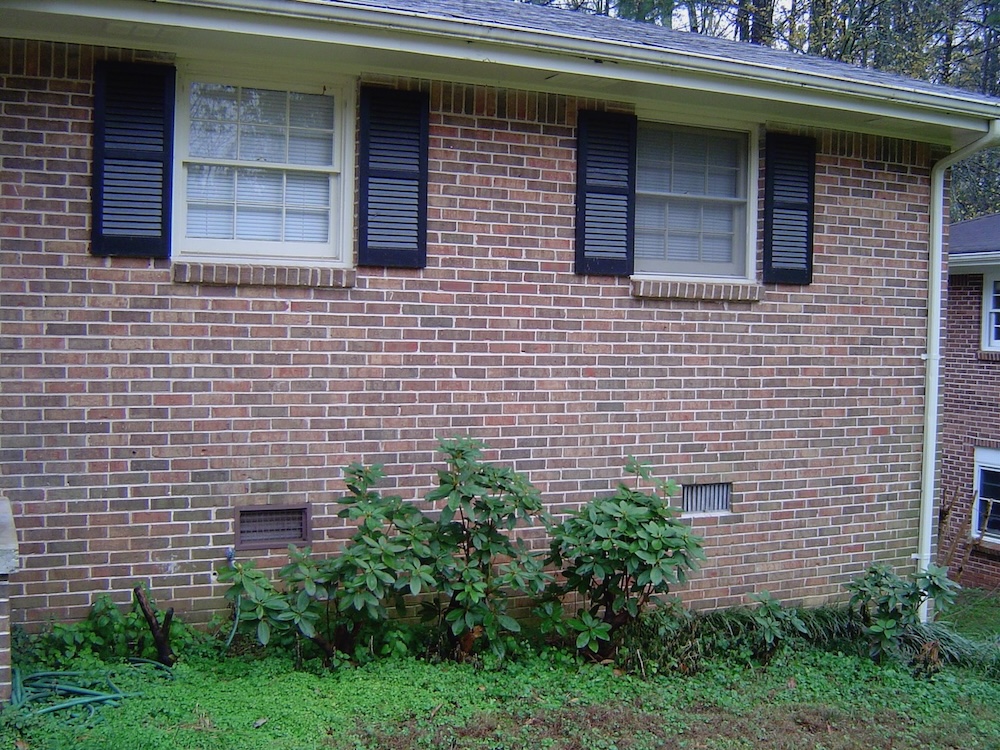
[(8, 538)]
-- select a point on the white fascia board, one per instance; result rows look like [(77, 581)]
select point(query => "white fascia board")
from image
[(967, 262), (589, 66)]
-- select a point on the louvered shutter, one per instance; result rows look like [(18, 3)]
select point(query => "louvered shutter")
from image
[(133, 148), (790, 168), (393, 202), (605, 193)]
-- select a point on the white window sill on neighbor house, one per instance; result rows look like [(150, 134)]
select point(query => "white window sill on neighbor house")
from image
[(237, 274), (651, 287)]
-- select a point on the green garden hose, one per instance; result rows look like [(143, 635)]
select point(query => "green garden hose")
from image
[(64, 687)]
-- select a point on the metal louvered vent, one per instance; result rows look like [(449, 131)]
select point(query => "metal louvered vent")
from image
[(706, 498), (267, 526)]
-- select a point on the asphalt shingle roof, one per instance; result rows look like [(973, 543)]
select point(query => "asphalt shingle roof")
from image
[(558, 21), (973, 236)]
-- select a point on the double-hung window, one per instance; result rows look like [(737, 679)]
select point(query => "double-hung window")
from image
[(263, 173), (991, 311), (986, 489), (246, 172), (658, 199), (691, 202)]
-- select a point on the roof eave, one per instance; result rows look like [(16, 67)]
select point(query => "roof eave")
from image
[(591, 67), (498, 32)]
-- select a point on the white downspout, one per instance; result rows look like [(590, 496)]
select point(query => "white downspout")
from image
[(934, 312)]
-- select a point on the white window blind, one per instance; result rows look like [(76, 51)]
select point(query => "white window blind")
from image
[(260, 164), (690, 201)]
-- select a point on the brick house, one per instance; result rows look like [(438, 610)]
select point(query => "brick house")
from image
[(970, 436), (245, 243)]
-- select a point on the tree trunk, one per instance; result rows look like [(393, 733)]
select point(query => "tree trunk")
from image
[(160, 633)]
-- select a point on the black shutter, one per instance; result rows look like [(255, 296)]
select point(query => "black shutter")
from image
[(133, 155), (393, 202), (605, 193), (790, 167)]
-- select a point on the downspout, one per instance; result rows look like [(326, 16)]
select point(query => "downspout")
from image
[(934, 315)]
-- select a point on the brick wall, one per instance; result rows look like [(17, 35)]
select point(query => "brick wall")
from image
[(971, 419), (139, 410)]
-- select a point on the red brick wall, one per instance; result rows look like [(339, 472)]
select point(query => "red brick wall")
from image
[(971, 401), (138, 412)]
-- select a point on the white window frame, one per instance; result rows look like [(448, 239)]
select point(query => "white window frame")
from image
[(990, 341), (985, 458), (751, 176), (338, 252)]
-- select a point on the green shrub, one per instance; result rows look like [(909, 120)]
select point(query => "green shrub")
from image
[(465, 556), (338, 604), (477, 563), (670, 638), (109, 632), (620, 554), (775, 625), (889, 606)]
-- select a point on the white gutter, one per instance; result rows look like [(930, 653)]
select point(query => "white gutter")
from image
[(935, 283), (974, 260)]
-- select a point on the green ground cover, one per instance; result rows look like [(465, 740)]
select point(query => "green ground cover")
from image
[(805, 698)]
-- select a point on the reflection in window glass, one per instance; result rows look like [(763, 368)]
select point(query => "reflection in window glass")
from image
[(255, 194)]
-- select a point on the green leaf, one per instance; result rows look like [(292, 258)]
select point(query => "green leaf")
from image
[(263, 632), (509, 623)]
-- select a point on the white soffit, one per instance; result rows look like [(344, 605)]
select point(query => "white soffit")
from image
[(353, 40)]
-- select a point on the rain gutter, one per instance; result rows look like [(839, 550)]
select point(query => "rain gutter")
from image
[(933, 355)]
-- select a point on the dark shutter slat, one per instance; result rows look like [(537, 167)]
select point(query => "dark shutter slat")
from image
[(790, 168), (133, 139), (605, 200), (393, 200)]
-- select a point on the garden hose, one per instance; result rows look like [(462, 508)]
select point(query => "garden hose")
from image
[(236, 623), (66, 688)]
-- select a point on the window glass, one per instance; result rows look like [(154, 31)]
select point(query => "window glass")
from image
[(690, 202), (991, 311), (987, 491), (260, 165)]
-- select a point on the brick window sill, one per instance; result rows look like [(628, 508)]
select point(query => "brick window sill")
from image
[(991, 546), (696, 290), (231, 274), (989, 356)]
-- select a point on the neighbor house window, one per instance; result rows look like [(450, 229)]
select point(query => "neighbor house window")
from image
[(991, 311), (262, 173), (986, 489), (691, 202)]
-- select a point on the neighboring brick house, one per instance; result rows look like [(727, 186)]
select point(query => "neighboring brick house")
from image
[(970, 436), (247, 243)]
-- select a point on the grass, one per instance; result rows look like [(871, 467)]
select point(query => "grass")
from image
[(976, 613), (804, 698)]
